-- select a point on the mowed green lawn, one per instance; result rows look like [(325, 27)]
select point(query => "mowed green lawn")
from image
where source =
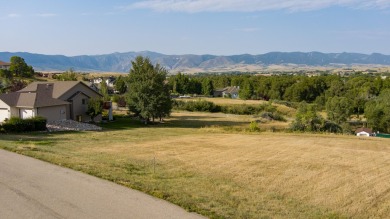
[(205, 163)]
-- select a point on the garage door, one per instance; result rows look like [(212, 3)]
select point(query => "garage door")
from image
[(26, 113), (3, 114)]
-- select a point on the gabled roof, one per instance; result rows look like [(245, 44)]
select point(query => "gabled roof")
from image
[(29, 100), (59, 87), (231, 90), (41, 94), (368, 130), (4, 63), (77, 93), (221, 89)]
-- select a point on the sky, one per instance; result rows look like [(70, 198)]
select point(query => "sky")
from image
[(176, 27)]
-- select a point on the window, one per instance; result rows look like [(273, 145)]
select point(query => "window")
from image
[(84, 101)]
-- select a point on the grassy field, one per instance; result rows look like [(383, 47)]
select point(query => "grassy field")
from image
[(229, 101), (197, 162)]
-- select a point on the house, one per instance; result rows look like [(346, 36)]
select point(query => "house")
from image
[(4, 65), (93, 86), (219, 92), (367, 132), (110, 82), (231, 92), (97, 80), (53, 100)]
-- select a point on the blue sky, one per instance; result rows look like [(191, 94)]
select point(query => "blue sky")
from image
[(218, 27)]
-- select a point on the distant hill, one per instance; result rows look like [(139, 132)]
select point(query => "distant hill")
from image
[(121, 62)]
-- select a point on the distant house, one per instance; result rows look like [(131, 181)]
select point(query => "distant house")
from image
[(230, 92), (92, 86), (4, 65), (366, 132), (53, 100), (110, 82), (219, 92), (97, 80)]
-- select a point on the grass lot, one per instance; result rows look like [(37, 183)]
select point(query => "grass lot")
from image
[(229, 101), (193, 160)]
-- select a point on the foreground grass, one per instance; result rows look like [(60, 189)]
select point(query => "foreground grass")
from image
[(194, 162)]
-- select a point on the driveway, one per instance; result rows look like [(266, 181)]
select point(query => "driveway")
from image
[(30, 188)]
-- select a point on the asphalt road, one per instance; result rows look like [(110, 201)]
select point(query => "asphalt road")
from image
[(30, 188)]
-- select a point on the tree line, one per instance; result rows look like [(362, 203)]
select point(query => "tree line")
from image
[(340, 97), (12, 79)]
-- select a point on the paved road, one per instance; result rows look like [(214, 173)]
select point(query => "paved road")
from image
[(31, 188)]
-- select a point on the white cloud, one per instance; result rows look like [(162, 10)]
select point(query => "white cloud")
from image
[(13, 15), (46, 15), (193, 6)]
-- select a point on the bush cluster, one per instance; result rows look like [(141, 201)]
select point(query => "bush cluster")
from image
[(286, 103), (24, 125), (241, 109), (198, 105)]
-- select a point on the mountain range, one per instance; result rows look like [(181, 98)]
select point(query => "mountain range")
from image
[(121, 62)]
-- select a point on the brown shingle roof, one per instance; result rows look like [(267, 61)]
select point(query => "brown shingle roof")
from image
[(59, 87), (5, 63), (41, 98), (10, 99), (368, 130), (231, 90)]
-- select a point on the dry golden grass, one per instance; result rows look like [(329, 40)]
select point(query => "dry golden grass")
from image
[(348, 175), (229, 101), (190, 160)]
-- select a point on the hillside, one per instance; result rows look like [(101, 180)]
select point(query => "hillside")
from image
[(121, 62)]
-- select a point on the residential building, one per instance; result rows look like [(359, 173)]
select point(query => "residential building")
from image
[(53, 100)]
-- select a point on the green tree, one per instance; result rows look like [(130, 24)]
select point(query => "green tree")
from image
[(246, 90), (104, 90), (180, 84), (377, 112), (19, 68), (339, 109), (120, 85), (95, 107), (207, 87), (307, 119), (148, 95), (69, 75), (5, 74), (4, 85)]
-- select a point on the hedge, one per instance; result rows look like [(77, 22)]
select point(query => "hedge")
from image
[(24, 125)]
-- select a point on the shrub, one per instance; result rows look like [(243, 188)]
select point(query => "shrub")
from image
[(198, 105), (286, 103), (115, 98), (241, 109), (24, 125), (105, 115), (254, 127), (121, 101), (332, 127), (273, 116), (39, 123)]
